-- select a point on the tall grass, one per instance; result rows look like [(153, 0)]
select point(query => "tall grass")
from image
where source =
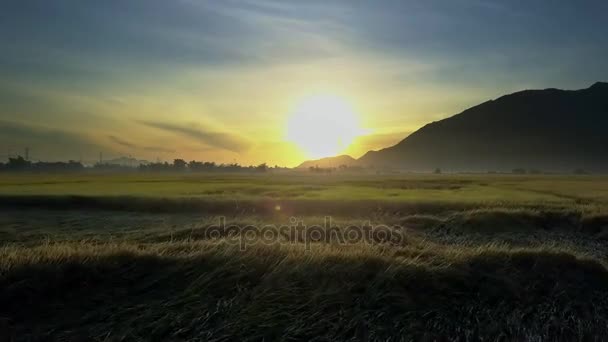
[(216, 292), (131, 258)]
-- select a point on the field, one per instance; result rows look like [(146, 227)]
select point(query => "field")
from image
[(296, 256)]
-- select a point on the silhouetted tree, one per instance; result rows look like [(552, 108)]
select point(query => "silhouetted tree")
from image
[(18, 163), (318, 169), (157, 167), (262, 167), (112, 167), (179, 164)]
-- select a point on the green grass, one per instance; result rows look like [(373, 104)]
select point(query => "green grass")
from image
[(303, 194), (469, 188), (130, 258)]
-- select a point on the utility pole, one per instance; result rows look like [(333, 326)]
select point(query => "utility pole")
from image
[(27, 153), (100, 158)]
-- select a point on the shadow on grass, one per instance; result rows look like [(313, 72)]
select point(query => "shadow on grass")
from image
[(240, 296), (216, 206)]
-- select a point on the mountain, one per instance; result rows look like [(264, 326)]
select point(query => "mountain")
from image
[(549, 130), (329, 162)]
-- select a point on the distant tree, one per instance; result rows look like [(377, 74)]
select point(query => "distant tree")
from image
[(519, 171), (262, 167), (72, 165), (198, 166), (156, 167), (580, 172), (437, 171), (179, 164), (318, 169), (112, 167), (195, 166), (18, 163)]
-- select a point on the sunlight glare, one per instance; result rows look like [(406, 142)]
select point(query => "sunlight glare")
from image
[(323, 125)]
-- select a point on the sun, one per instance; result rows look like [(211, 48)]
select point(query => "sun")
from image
[(323, 125)]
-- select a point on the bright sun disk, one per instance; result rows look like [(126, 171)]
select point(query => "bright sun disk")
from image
[(323, 125)]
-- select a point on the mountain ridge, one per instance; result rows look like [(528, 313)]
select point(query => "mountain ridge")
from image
[(329, 162), (546, 129)]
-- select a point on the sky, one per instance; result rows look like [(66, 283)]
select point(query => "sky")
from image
[(218, 80)]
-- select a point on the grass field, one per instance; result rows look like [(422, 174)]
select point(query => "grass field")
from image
[(462, 257)]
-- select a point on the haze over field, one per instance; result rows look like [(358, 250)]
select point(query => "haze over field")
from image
[(271, 81)]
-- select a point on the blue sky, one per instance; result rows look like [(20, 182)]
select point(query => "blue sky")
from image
[(215, 80)]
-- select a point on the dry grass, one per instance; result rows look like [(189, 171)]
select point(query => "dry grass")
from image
[(213, 291), (498, 265)]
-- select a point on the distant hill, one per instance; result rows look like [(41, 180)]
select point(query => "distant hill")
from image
[(329, 162), (550, 130)]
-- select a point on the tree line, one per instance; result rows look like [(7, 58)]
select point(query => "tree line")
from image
[(198, 166), (19, 164)]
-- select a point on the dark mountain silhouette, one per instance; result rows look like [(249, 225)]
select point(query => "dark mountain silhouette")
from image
[(329, 162), (550, 130)]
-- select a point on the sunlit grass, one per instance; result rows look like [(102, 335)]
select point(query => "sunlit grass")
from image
[(130, 257), (557, 190)]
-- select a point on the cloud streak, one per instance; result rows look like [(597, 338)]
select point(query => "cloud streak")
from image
[(220, 140), (124, 143), (121, 142)]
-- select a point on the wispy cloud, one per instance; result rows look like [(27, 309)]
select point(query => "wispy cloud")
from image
[(121, 142), (124, 143), (222, 140)]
